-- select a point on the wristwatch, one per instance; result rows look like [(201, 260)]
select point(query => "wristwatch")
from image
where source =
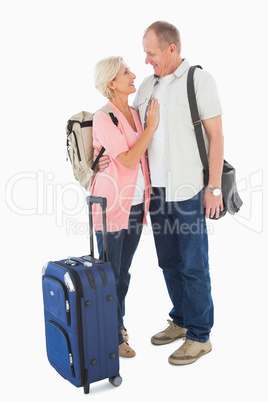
[(215, 191)]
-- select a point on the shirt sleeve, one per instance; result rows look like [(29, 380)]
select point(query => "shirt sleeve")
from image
[(207, 96), (107, 134)]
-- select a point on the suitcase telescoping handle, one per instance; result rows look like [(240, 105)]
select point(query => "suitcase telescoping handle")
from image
[(103, 203)]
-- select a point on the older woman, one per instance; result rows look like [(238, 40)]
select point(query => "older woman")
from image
[(125, 182)]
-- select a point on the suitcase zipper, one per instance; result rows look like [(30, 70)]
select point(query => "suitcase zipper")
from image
[(74, 274)]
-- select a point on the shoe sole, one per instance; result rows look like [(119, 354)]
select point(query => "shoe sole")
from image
[(162, 342), (127, 356), (182, 362)]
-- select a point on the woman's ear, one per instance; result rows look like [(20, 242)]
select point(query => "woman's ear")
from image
[(111, 85)]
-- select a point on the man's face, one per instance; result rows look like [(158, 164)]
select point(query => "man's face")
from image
[(161, 60)]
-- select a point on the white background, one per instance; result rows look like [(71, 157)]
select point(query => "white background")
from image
[(49, 50)]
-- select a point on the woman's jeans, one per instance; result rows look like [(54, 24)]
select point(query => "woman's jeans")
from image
[(180, 236), (121, 248)]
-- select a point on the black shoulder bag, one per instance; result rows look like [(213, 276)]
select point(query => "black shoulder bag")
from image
[(231, 200)]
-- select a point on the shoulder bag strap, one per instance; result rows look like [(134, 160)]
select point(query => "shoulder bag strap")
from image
[(196, 119)]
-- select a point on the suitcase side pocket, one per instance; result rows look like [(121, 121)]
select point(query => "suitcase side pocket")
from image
[(56, 300), (59, 349)]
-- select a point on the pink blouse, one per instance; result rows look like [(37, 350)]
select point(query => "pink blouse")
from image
[(117, 183)]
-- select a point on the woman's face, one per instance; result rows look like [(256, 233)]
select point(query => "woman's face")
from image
[(124, 81)]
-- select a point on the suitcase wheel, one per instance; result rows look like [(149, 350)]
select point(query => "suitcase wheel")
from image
[(116, 381)]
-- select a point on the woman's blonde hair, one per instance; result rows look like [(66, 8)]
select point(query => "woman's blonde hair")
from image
[(105, 72)]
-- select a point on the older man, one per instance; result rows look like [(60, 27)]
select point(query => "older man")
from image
[(178, 200), (180, 203)]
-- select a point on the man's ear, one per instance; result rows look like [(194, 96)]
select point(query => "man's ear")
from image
[(172, 49)]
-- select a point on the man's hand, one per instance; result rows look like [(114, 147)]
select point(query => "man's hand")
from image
[(213, 204), (103, 162)]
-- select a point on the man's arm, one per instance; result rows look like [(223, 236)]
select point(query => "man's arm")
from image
[(213, 127)]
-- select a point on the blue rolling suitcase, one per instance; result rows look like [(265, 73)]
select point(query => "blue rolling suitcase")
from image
[(80, 311)]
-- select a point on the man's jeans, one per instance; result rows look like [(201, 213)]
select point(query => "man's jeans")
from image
[(182, 247), (121, 248)]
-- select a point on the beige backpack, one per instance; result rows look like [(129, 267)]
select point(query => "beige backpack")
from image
[(79, 131)]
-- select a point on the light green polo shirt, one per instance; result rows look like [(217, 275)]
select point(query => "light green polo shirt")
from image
[(183, 167)]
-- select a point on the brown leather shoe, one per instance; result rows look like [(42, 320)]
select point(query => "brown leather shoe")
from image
[(126, 351)]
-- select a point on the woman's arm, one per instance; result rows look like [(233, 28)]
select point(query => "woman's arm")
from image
[(131, 157)]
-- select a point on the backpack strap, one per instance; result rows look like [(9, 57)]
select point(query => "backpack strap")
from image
[(96, 161), (110, 112)]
